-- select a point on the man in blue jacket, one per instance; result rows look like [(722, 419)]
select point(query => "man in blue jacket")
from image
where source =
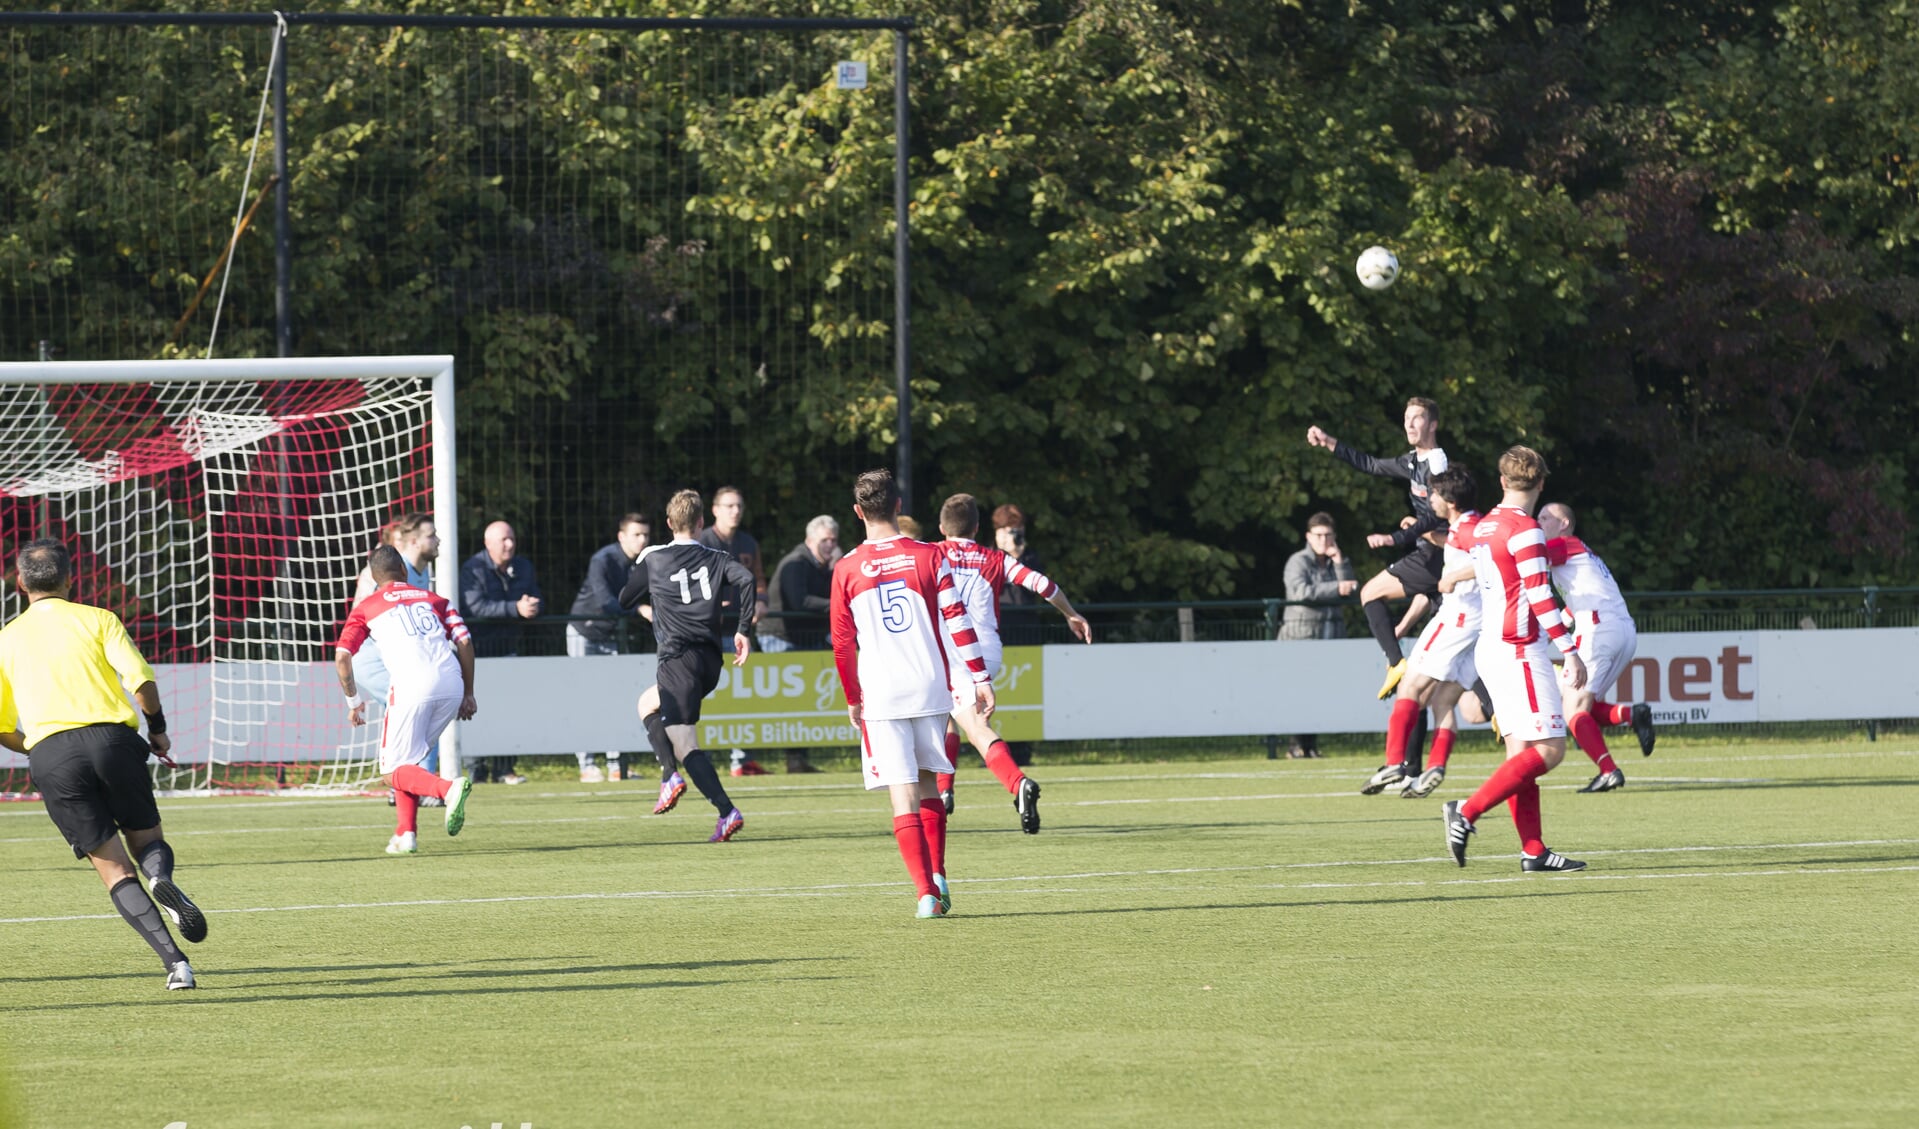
[(496, 583), (600, 596)]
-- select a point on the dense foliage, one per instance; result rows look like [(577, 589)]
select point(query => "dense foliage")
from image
[(1671, 244)]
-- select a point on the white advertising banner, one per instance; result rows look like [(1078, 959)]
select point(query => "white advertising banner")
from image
[(1257, 688), (532, 706)]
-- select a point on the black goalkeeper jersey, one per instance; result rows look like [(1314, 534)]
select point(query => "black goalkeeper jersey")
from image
[(1417, 472), (684, 581)]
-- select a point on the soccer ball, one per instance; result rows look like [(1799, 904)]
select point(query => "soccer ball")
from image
[(1377, 268)]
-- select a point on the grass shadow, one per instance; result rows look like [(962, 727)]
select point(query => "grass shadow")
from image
[(211, 994), (1329, 903)]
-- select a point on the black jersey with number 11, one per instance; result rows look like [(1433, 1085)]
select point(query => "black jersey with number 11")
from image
[(683, 580)]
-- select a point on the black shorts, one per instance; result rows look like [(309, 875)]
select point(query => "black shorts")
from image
[(685, 677), (95, 783), (1419, 571)]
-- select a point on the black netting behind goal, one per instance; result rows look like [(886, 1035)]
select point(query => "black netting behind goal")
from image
[(662, 258)]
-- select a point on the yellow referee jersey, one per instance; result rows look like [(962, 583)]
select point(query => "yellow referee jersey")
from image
[(64, 665)]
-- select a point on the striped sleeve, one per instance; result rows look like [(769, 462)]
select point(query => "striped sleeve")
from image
[(959, 629), (1031, 579), (455, 626), (1528, 549)]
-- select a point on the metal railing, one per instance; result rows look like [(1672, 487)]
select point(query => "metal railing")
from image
[(1215, 621)]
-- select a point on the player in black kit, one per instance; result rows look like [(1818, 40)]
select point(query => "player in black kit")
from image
[(1416, 573), (682, 581)]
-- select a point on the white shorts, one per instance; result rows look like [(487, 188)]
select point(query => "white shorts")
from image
[(1524, 685), (1605, 646), (1444, 652), (897, 750), (411, 727)]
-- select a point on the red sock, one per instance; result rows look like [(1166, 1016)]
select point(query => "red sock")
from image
[(933, 826), (1524, 805), (1506, 781), (1399, 729), (407, 806), (952, 758), (412, 778), (1442, 748), (907, 831), (1592, 741), (1608, 714), (999, 759)]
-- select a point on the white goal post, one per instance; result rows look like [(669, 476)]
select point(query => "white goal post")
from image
[(223, 509)]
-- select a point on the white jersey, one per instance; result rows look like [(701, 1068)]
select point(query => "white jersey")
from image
[(981, 573), (1585, 583), (417, 632), (901, 637), (1462, 605)]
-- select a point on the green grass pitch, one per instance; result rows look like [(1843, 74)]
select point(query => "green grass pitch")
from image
[(1227, 942)]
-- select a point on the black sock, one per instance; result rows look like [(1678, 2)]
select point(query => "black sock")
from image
[(662, 747), (1380, 619), (134, 905), (707, 780), (1416, 746), (156, 859)]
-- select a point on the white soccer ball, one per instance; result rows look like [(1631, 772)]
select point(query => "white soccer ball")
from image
[(1377, 268)]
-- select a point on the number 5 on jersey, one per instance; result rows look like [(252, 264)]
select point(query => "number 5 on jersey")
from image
[(896, 606)]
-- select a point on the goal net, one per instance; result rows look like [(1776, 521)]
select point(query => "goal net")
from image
[(223, 510)]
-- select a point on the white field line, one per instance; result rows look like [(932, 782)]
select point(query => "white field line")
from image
[(1259, 797), (225, 803), (844, 889)]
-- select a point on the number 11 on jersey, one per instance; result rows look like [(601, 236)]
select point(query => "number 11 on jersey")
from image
[(686, 592)]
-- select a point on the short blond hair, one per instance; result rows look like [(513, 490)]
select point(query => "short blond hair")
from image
[(1522, 468), (683, 511)]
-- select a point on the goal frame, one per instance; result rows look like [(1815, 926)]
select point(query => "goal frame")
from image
[(436, 368)]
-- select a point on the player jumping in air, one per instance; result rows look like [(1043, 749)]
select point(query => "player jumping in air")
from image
[(908, 658), (682, 581), (1604, 633), (981, 573), (1416, 573), (429, 659), (1442, 661), (1519, 615)]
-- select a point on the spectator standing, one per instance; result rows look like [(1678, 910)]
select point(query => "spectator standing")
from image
[(800, 598), (497, 583), (1009, 533), (1317, 572), (726, 535), (599, 595)]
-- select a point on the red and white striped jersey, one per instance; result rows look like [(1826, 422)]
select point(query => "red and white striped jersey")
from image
[(1461, 606), (416, 631), (901, 636), (981, 573), (1584, 580), (1509, 559)]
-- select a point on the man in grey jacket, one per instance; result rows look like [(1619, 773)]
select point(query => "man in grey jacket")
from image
[(1317, 572)]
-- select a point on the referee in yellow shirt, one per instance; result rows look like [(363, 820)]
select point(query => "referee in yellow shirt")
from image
[(65, 669)]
